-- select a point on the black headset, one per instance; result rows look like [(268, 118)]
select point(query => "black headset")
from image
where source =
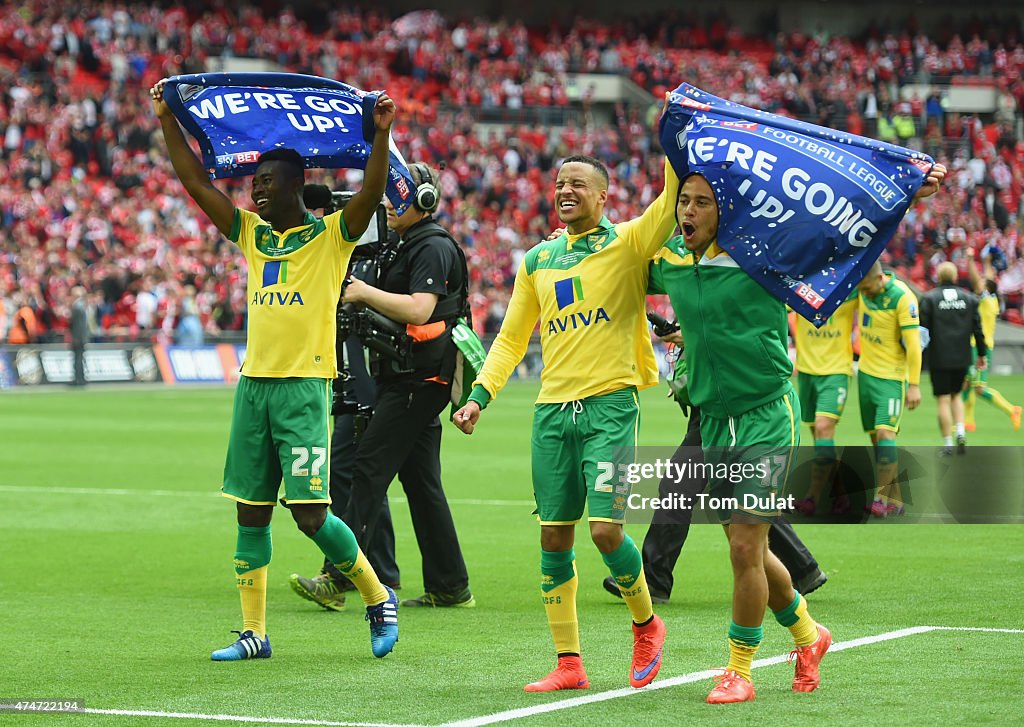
[(427, 197)]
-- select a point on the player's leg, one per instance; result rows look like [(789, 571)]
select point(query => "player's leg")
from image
[(608, 426), (747, 535), (329, 587), (968, 394), (822, 401), (881, 413), (299, 418), (810, 639), (252, 477), (999, 401), (887, 468), (560, 494), (956, 410), (944, 412), (796, 558), (771, 435), (970, 398), (866, 395), (808, 393), (748, 543)]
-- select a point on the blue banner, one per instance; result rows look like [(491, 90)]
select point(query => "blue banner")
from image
[(803, 209), (238, 116)]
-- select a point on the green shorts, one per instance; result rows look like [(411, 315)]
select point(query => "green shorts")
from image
[(279, 428), (750, 457), (580, 451), (975, 377), (823, 396), (881, 402)]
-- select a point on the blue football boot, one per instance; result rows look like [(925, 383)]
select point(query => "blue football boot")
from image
[(248, 646), (383, 620)]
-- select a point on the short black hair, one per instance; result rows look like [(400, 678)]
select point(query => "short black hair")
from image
[(290, 157), (991, 286), (595, 163)]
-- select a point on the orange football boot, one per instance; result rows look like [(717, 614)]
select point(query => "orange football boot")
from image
[(647, 643), (568, 674), (807, 658), (731, 688)]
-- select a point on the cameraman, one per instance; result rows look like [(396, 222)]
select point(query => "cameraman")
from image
[(422, 285), (354, 397)]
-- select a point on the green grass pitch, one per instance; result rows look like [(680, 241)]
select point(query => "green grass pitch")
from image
[(116, 583)]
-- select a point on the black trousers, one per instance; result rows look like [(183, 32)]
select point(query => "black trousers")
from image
[(78, 352), (404, 439), (381, 552), (669, 528)]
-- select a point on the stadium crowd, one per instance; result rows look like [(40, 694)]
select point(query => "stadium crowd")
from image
[(88, 198)]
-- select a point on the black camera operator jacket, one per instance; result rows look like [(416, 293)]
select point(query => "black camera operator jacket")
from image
[(430, 264)]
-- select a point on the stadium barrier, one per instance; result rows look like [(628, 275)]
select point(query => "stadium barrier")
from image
[(120, 363), (128, 363)]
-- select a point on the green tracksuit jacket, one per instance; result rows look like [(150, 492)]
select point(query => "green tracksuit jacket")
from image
[(734, 331)]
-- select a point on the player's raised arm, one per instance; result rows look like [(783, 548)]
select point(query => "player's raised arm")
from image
[(648, 232), (359, 210), (217, 205)]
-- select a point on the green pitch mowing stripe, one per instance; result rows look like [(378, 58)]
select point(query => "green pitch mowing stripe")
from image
[(526, 712), (116, 582), (234, 718), (700, 676)]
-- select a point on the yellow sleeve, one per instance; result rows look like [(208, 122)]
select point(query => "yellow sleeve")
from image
[(336, 220), (242, 229), (912, 343), (509, 346), (648, 232), (910, 328), (906, 311)]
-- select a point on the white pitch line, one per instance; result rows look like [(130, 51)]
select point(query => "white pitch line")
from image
[(541, 708), (696, 676), (121, 492), (232, 718), (977, 628)]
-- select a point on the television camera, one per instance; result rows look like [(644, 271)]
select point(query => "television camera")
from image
[(381, 336)]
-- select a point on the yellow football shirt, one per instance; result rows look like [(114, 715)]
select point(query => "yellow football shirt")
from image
[(829, 349), (890, 343), (988, 309), (588, 292), (293, 288)]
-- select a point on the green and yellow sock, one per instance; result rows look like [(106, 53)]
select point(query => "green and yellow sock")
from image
[(743, 644), (969, 398), (627, 567), (252, 556), (887, 465), (338, 543), (1000, 402), (558, 588), (799, 622)]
